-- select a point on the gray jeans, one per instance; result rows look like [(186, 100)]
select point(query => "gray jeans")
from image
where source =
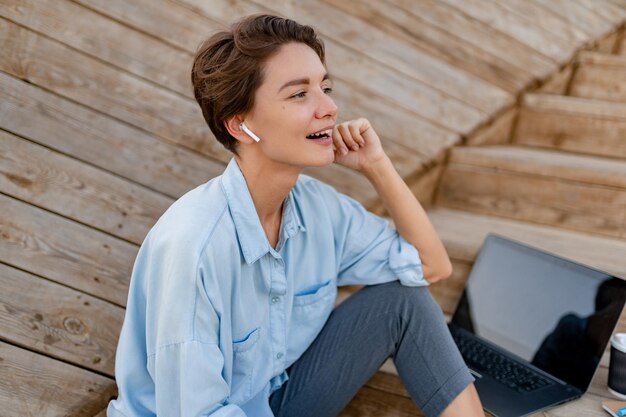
[(376, 322)]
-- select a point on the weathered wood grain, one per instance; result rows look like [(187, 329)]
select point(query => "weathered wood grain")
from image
[(439, 43), (98, 36), (375, 80), (558, 83), (575, 124), (102, 413), (85, 134), (480, 35), (57, 321), (35, 385), (64, 251), (552, 23), (620, 45), (534, 199), (519, 27), (577, 15), (600, 76), (572, 167), (610, 12), (77, 190), (462, 233), (67, 72), (538, 186), (496, 132), (166, 20), (607, 43), (370, 402), (424, 186)]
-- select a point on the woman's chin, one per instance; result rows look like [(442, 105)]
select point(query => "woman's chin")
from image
[(326, 158)]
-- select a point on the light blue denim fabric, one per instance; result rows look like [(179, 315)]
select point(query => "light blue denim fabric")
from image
[(215, 314)]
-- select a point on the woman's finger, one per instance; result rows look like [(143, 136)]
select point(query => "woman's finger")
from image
[(338, 141), (347, 136), (355, 131)]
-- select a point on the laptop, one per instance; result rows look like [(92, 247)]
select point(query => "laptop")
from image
[(532, 326)]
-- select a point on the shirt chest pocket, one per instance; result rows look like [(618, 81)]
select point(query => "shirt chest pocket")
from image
[(314, 301), (244, 357)]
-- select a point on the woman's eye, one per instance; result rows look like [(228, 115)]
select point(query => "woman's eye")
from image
[(302, 94)]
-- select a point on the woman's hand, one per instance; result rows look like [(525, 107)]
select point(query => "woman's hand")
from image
[(360, 142)]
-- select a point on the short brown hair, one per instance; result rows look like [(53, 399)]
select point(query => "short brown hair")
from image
[(228, 67)]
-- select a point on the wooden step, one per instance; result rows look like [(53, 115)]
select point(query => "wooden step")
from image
[(599, 76), (584, 125), (463, 233), (543, 186)]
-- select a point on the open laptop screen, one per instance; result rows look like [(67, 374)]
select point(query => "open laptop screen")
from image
[(555, 313)]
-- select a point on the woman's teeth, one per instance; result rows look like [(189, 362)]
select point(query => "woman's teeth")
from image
[(324, 134)]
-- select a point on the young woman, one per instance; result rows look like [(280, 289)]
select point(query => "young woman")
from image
[(230, 307)]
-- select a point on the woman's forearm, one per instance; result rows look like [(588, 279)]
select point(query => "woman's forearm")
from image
[(410, 219)]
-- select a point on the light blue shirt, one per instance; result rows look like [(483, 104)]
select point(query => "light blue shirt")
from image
[(215, 315)]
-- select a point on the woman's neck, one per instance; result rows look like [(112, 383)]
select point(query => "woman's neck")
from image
[(269, 184)]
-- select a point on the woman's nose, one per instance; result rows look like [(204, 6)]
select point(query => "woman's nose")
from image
[(326, 107)]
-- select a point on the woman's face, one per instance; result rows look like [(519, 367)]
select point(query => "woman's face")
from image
[(293, 102)]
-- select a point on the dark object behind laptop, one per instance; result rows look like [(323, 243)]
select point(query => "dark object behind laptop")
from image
[(532, 326)]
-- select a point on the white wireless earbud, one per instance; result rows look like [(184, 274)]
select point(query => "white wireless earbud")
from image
[(243, 127)]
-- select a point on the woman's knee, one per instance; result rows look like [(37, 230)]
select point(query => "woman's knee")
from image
[(417, 302)]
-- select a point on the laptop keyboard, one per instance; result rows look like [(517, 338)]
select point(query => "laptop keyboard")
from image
[(493, 363)]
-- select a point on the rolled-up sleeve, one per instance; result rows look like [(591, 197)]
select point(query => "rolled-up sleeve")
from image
[(188, 381), (368, 249)]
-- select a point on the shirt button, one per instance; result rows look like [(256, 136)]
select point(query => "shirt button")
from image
[(275, 300), (279, 355)]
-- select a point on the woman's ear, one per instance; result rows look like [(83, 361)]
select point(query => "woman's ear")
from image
[(232, 125), (239, 130)]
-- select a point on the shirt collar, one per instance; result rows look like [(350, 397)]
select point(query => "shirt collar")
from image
[(250, 233)]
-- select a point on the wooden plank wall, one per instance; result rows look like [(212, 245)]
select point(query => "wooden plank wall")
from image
[(99, 134)]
